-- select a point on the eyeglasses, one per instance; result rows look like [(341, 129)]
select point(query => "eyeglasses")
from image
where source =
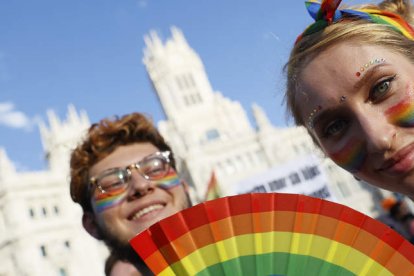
[(151, 167)]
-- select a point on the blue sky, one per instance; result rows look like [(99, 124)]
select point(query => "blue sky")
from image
[(88, 53)]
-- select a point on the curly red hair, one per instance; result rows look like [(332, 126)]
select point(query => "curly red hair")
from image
[(101, 140)]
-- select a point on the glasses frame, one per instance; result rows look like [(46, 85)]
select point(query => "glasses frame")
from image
[(164, 155)]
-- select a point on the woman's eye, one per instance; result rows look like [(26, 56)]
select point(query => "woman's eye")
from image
[(381, 89), (335, 128)]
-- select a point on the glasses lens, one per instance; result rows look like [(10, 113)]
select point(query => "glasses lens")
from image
[(113, 181), (155, 167)]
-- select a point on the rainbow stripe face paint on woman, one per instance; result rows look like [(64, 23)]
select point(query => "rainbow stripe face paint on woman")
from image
[(351, 157), (402, 114)]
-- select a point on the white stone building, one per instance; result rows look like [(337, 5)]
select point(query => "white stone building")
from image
[(40, 226)]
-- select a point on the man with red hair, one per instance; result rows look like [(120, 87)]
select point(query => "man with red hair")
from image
[(124, 177)]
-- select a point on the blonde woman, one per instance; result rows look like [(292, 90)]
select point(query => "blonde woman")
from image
[(351, 84)]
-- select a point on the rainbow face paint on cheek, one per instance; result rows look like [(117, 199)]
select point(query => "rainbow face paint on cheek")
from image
[(351, 157), (168, 181), (402, 114), (103, 201)]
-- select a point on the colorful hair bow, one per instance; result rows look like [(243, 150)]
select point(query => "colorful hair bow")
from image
[(327, 13)]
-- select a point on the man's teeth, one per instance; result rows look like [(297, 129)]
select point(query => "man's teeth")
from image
[(146, 210)]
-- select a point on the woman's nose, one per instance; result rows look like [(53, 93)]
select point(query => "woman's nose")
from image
[(377, 131)]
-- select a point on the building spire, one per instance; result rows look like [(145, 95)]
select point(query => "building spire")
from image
[(7, 168), (154, 47), (262, 121), (62, 136)]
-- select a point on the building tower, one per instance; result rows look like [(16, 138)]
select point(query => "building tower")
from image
[(185, 93), (61, 137), (200, 121)]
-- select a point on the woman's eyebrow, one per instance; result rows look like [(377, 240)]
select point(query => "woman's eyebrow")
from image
[(368, 74)]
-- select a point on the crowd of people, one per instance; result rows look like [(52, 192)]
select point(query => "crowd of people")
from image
[(349, 83), (398, 215)]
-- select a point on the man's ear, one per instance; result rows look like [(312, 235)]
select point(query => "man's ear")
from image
[(188, 191), (185, 185), (89, 223)]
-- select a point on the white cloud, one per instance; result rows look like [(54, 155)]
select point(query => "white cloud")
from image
[(6, 107), (10, 117)]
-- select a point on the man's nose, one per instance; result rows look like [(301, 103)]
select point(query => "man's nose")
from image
[(139, 184)]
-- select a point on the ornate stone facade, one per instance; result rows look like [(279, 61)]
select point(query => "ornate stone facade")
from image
[(40, 226)]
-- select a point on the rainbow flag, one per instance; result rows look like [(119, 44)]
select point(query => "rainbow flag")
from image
[(213, 189)]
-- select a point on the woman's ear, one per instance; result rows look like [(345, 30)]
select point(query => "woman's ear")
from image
[(89, 223)]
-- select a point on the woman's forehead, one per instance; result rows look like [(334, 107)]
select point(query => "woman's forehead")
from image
[(341, 58), (334, 73), (338, 68)]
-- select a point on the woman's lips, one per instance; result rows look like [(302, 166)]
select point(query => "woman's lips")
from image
[(402, 162)]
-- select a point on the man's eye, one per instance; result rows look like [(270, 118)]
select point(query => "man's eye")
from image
[(107, 186), (114, 180), (116, 184), (381, 89), (335, 128), (156, 171)]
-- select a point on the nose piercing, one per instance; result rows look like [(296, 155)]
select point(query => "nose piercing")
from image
[(342, 99)]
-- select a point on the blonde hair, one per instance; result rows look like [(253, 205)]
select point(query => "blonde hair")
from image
[(359, 31)]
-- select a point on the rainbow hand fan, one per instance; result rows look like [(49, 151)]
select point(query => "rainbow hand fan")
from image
[(273, 234)]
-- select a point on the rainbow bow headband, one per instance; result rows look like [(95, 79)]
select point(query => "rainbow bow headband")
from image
[(327, 13)]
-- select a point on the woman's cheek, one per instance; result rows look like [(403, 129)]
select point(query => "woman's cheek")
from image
[(351, 156), (402, 113)]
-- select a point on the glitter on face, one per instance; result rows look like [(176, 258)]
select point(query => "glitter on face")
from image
[(312, 115), (368, 64)]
